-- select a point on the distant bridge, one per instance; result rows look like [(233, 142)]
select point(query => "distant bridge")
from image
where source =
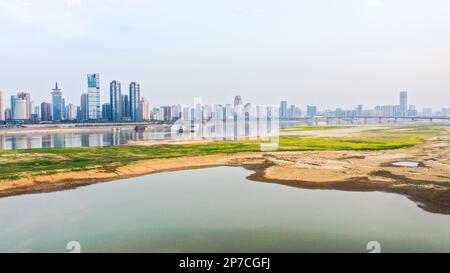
[(366, 118)]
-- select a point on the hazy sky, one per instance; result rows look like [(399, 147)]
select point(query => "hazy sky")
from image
[(332, 53)]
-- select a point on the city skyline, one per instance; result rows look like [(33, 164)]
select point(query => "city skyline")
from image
[(324, 53), (104, 97), (94, 87), (134, 107)]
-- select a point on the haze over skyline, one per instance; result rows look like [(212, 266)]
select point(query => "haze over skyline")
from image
[(330, 53)]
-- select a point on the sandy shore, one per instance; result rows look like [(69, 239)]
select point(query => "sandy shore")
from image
[(428, 184)]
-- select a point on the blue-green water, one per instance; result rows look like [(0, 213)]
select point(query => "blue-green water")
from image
[(216, 210)]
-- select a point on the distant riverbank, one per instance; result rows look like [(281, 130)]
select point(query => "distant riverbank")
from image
[(81, 127)]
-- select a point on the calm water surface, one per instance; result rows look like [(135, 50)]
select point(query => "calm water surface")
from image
[(215, 210), (77, 139), (108, 137)]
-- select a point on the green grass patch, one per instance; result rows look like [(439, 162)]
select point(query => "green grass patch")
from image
[(314, 128), (14, 164)]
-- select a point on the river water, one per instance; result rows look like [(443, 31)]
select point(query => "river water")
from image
[(109, 137), (216, 210)]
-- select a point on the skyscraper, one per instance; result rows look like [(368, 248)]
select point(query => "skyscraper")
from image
[(2, 116), (63, 107), (125, 107), (57, 104), (283, 109), (135, 97), (106, 111), (115, 97), (27, 98), (46, 111), (93, 96), (19, 108), (166, 113), (311, 111), (359, 110), (84, 107), (37, 111), (145, 106), (71, 112), (238, 101), (404, 103), (238, 107)]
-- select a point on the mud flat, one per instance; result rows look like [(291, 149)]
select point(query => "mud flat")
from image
[(428, 184)]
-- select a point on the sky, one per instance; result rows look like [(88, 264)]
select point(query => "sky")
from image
[(330, 53)]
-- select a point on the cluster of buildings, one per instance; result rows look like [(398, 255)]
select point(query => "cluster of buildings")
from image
[(129, 105), (121, 107), (403, 109), (205, 112)]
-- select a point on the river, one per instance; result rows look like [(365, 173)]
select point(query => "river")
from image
[(216, 210)]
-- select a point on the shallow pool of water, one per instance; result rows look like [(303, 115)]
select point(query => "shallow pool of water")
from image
[(406, 164), (216, 210)]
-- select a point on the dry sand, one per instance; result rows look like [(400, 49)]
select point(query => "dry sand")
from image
[(428, 185)]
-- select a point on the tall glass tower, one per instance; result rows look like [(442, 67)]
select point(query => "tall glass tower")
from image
[(283, 109), (403, 103), (57, 103), (94, 96), (84, 107), (135, 97), (115, 95)]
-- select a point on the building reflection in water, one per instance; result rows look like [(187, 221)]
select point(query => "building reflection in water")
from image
[(258, 124), (261, 123)]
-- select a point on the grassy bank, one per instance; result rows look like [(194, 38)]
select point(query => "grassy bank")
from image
[(15, 164), (314, 128)]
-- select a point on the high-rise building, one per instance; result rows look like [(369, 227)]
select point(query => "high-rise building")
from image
[(238, 107), (198, 109), (8, 114), (71, 112), (311, 111), (359, 110), (63, 108), (84, 107), (186, 113), (19, 108), (283, 109), (412, 112), (115, 97), (2, 116), (57, 104), (177, 111), (46, 111), (145, 106), (238, 101), (106, 111), (388, 111), (125, 107), (135, 98), (37, 111), (166, 112), (27, 98), (79, 113), (404, 103), (93, 96), (32, 108)]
